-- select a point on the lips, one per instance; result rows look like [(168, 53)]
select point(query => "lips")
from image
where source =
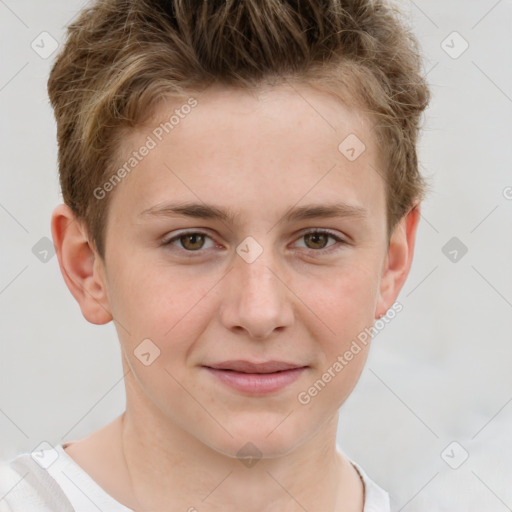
[(248, 367), (256, 378)]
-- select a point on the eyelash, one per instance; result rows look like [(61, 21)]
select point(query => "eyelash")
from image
[(326, 250)]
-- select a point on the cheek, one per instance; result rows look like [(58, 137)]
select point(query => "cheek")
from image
[(170, 308), (344, 300), (154, 298), (346, 306)]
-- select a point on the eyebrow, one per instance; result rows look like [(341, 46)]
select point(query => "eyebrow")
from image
[(205, 211)]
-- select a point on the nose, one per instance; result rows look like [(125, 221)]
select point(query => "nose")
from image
[(256, 298)]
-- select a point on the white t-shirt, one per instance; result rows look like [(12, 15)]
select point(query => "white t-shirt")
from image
[(84, 494)]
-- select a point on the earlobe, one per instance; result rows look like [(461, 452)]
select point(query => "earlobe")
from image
[(80, 265), (398, 260)]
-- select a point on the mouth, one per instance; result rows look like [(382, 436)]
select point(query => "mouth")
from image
[(256, 378)]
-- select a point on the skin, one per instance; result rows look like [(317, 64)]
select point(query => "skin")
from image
[(303, 300)]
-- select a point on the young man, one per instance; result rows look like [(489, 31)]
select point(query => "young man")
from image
[(241, 198)]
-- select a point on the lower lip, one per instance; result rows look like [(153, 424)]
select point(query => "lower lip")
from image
[(257, 383)]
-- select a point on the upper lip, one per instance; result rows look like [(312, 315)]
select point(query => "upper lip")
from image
[(249, 367)]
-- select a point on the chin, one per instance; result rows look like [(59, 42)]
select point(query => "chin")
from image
[(266, 436)]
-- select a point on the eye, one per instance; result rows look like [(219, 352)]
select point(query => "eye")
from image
[(191, 242), (318, 240), (195, 241)]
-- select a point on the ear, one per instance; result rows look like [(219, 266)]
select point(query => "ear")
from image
[(398, 260), (80, 265)]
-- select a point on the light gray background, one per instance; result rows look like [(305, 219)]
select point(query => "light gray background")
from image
[(440, 372)]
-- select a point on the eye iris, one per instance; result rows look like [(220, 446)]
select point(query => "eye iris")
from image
[(193, 239), (317, 238)]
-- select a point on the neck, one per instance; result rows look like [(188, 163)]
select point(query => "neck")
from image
[(169, 470)]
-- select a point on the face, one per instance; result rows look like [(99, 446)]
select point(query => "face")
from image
[(248, 251)]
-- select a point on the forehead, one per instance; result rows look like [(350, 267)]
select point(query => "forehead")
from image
[(281, 142)]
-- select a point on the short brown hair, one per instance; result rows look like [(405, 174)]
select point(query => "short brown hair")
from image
[(122, 56)]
